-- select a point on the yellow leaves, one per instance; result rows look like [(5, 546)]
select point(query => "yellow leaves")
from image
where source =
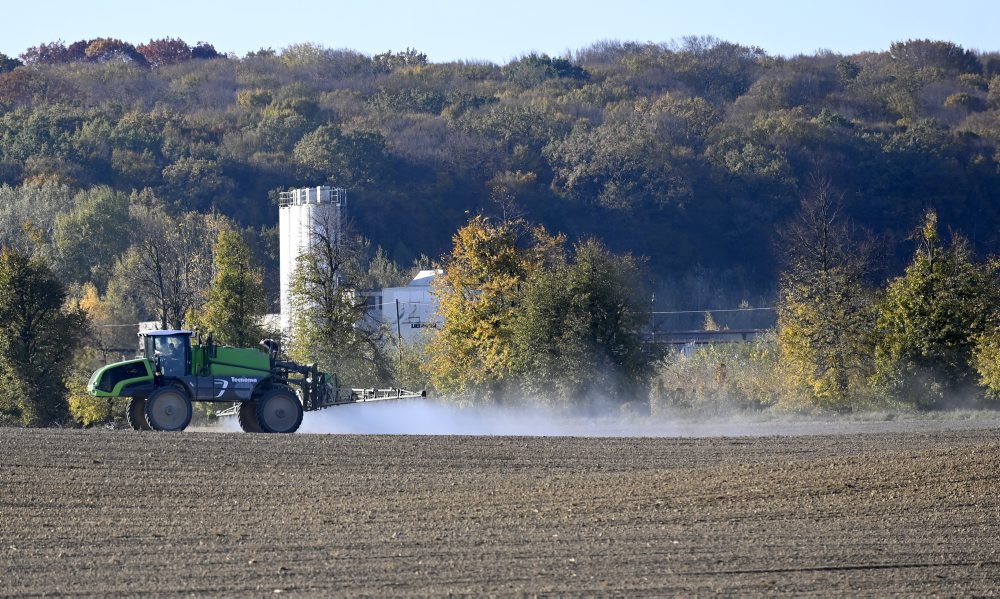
[(90, 302), (479, 292), (84, 408)]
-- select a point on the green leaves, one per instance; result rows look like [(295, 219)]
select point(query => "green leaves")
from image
[(236, 302), (825, 306), (328, 325), (349, 159), (930, 320), (576, 336), (38, 336)]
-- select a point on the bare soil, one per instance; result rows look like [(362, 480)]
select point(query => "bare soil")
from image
[(854, 513)]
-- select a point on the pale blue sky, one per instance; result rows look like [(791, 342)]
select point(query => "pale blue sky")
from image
[(498, 31)]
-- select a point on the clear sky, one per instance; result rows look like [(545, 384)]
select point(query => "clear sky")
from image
[(501, 30)]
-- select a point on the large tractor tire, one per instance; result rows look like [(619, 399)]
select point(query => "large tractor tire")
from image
[(168, 409), (248, 417), (136, 414), (279, 411)]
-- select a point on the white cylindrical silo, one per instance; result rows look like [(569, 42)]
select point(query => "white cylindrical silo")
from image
[(300, 213)]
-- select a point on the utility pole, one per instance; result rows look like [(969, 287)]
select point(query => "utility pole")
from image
[(399, 333), (652, 317)]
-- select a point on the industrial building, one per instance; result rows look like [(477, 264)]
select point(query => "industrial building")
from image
[(408, 310)]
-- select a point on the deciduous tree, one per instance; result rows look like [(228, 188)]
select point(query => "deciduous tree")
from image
[(165, 51), (825, 306), (328, 324), (577, 334), (480, 293), (89, 238)]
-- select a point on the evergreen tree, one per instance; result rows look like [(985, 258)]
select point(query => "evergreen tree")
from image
[(38, 336), (236, 301), (930, 319)]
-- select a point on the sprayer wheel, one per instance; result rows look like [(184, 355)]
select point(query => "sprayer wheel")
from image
[(135, 413), (248, 417), (279, 411), (168, 409)]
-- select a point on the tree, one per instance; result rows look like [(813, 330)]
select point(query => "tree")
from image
[(480, 293), (534, 68), (824, 307), (38, 336), (622, 165), (328, 313), (91, 236), (169, 265), (349, 159), (8, 64), (204, 51), (105, 341), (389, 61), (51, 53), (29, 212), (986, 352), (107, 49), (921, 54), (577, 334), (237, 300), (200, 182), (930, 319), (165, 51)]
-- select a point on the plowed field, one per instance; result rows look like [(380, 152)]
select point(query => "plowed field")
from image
[(126, 513)]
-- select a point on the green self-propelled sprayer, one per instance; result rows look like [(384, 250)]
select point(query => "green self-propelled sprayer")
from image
[(271, 395)]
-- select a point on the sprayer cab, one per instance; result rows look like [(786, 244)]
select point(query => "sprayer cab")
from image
[(169, 351)]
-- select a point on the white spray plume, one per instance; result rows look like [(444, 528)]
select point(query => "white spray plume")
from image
[(430, 417)]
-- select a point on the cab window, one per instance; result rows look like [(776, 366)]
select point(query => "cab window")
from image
[(172, 354)]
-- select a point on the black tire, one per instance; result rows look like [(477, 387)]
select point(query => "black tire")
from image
[(135, 413), (279, 411), (168, 409), (248, 417)]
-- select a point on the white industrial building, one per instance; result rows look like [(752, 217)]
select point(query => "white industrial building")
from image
[(407, 311)]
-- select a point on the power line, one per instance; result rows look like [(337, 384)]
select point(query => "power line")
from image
[(713, 311)]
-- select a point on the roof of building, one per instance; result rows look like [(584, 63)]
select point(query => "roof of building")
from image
[(424, 277)]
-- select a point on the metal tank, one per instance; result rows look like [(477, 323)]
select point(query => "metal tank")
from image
[(301, 211)]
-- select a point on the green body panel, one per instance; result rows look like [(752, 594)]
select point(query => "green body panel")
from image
[(112, 379), (235, 361)]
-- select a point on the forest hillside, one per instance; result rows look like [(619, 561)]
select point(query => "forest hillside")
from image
[(690, 154)]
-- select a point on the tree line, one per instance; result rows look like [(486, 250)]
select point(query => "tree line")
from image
[(848, 339), (528, 318)]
